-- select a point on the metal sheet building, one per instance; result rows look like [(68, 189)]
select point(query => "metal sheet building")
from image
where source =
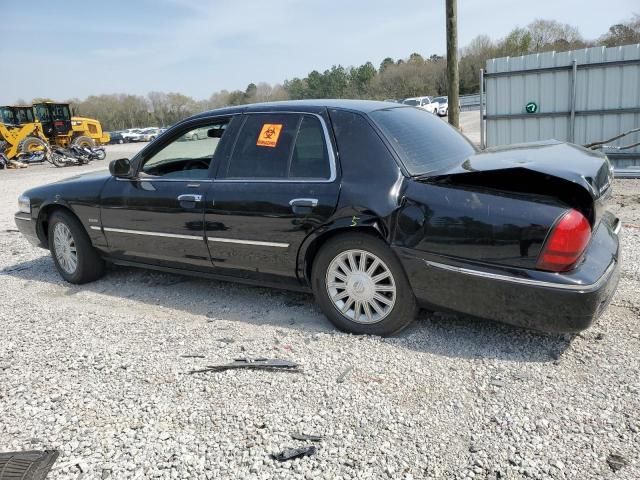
[(579, 96)]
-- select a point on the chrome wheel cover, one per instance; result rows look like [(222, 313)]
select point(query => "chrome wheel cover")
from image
[(64, 247), (361, 286)]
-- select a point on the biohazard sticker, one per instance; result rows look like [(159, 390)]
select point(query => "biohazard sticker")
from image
[(269, 135)]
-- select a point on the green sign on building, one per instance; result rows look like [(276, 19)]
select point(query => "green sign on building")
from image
[(531, 107)]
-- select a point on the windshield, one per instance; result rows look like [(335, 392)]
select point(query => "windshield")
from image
[(24, 115), (412, 102), (42, 113), (440, 100), (425, 143)]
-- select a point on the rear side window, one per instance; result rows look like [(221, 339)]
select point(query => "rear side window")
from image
[(280, 146), (310, 158), (426, 144)]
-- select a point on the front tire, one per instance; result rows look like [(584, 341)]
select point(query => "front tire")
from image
[(361, 286), (73, 255)]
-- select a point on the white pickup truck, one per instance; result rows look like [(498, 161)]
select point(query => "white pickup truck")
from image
[(423, 102)]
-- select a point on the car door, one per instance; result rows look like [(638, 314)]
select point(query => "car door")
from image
[(157, 216), (279, 183)]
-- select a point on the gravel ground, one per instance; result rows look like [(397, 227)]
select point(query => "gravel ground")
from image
[(97, 372)]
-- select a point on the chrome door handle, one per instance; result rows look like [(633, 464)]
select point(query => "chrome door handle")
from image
[(189, 197), (304, 202)]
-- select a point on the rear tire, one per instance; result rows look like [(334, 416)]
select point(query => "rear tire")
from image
[(32, 144), (84, 141), (73, 255), (361, 286)]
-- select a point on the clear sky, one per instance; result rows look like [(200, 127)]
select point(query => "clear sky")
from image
[(77, 48)]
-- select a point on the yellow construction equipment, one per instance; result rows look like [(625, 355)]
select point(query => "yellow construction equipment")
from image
[(19, 131), (62, 129)]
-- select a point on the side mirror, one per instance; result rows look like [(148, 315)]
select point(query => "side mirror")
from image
[(121, 168)]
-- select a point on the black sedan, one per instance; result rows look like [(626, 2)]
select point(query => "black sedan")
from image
[(375, 207)]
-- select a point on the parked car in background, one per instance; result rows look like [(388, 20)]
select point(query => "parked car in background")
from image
[(443, 106), (133, 135), (374, 207), (150, 134), (425, 103), (116, 137), (197, 134)]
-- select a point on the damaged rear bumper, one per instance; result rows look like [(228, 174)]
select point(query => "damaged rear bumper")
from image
[(545, 301)]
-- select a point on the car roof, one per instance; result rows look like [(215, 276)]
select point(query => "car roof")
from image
[(363, 106)]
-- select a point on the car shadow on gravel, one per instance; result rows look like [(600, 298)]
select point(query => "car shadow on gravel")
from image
[(442, 334), (463, 336)]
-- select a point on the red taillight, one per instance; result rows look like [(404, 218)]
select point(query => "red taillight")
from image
[(566, 243), (59, 124)]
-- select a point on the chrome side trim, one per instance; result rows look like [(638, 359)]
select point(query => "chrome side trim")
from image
[(152, 234), (95, 227), (20, 217), (525, 281), (152, 179), (248, 242)]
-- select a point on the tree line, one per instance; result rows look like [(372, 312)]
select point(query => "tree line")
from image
[(392, 79)]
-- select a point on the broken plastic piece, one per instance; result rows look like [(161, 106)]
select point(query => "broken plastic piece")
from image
[(305, 437), (344, 373), (254, 364), (29, 465), (291, 453), (616, 462)]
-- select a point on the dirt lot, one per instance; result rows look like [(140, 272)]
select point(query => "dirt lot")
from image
[(97, 371)]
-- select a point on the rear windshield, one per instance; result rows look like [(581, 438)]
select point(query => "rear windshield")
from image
[(426, 143)]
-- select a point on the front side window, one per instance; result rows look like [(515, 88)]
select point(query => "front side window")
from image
[(425, 143), (188, 159), (280, 146)]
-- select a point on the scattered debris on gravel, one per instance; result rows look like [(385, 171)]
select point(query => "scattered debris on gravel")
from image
[(100, 373)]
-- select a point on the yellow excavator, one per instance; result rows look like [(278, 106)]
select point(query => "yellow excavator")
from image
[(63, 130), (20, 132)]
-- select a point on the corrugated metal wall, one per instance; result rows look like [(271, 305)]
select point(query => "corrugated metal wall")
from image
[(607, 98)]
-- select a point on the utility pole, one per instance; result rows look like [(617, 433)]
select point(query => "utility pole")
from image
[(453, 76)]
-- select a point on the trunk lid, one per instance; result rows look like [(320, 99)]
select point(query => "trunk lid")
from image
[(588, 168), (579, 177)]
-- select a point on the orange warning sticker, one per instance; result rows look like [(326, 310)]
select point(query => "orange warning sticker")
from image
[(269, 135)]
